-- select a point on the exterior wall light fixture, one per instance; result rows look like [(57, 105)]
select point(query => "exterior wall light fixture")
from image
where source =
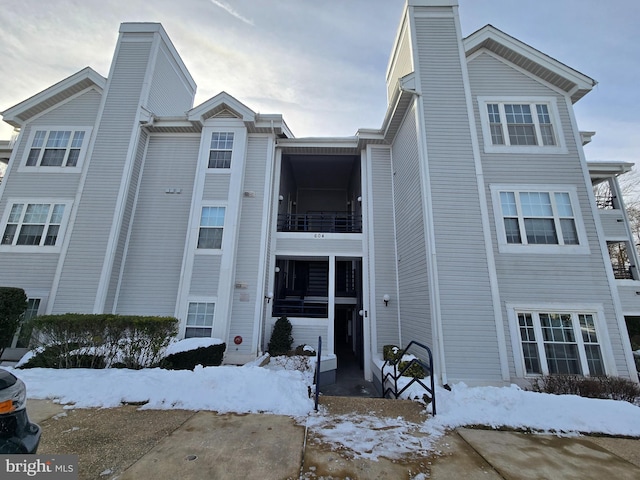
[(386, 299), (268, 297)]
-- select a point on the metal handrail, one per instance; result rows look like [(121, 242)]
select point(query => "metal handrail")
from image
[(431, 389), (319, 357)]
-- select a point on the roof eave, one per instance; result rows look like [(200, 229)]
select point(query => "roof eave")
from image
[(86, 78), (575, 83)]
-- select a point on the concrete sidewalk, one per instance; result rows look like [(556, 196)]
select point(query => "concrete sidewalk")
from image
[(128, 443)]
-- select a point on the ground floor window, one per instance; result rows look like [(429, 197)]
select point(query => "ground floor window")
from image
[(560, 343), (22, 335), (199, 319)]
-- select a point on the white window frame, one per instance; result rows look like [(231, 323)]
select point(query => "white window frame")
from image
[(210, 149), (503, 247), (34, 201), (197, 223), (208, 300), (600, 329), (552, 107), (62, 168)]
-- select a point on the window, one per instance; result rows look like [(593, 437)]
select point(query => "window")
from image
[(22, 335), (199, 319), (56, 148), (220, 150), (529, 216), (520, 124), (34, 224), (211, 227), (560, 343)]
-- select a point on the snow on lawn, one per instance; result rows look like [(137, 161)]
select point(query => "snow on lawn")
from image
[(282, 389)]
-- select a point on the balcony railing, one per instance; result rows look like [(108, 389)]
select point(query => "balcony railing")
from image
[(324, 222), (622, 273), (300, 308), (604, 202)]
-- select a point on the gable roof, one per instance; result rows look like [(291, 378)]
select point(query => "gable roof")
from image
[(217, 105), (552, 71), (61, 91), (224, 105)]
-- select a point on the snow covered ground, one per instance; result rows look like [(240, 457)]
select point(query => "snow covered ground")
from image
[(281, 389)]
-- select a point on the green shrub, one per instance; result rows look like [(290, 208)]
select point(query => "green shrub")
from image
[(415, 370), (391, 353), (210, 356), (13, 303), (281, 339), (615, 388), (98, 340)]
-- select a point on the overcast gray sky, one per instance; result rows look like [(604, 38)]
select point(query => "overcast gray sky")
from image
[(322, 63)]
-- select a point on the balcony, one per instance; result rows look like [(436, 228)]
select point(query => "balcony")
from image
[(323, 222)]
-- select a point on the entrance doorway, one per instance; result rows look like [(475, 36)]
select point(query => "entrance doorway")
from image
[(348, 332)]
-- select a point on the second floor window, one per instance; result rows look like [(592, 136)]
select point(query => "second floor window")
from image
[(538, 218), (34, 224), (520, 124), (56, 148), (220, 150), (211, 227)]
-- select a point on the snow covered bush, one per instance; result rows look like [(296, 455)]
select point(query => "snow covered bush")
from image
[(305, 350), (614, 388), (191, 352), (77, 340)]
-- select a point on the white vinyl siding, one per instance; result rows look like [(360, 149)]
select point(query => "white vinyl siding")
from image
[(110, 168), (382, 257), (413, 271), (152, 262), (250, 245), (467, 314)]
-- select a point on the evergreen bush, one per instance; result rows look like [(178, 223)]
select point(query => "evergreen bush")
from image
[(13, 303), (281, 339), (210, 356)]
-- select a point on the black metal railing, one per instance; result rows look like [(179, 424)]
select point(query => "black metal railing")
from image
[(605, 202), (321, 222), (622, 273), (318, 359), (300, 308), (392, 376)]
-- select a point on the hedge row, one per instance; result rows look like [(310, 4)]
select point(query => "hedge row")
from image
[(97, 340)]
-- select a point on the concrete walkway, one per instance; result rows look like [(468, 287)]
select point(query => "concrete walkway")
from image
[(128, 443)]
